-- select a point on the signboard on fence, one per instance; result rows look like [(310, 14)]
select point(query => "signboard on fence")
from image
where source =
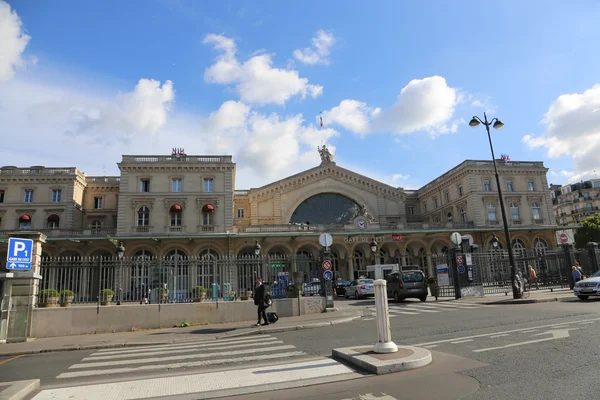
[(443, 276)]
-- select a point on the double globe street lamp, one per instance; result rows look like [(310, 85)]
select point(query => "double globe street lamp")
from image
[(497, 124)]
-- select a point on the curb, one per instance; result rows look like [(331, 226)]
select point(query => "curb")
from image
[(250, 332), (533, 301), (19, 390)]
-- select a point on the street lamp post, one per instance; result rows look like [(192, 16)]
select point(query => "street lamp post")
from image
[(373, 246), (497, 124), (120, 254)]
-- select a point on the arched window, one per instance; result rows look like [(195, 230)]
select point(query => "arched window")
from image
[(422, 259), (178, 260), (25, 222), (449, 217), (207, 272), (335, 264), (540, 247), (408, 257), (359, 264), (519, 251), (175, 213), (208, 215), (96, 226), (383, 256), (540, 244), (143, 216), (463, 215), (535, 210), (514, 212), (53, 221), (491, 209), (305, 264), (140, 278)]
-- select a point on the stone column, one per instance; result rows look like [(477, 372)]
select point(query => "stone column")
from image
[(22, 288), (350, 269), (593, 255), (429, 263)]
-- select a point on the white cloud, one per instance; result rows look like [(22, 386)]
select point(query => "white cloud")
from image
[(423, 105), (13, 41), (573, 129), (317, 54), (399, 177), (256, 80)]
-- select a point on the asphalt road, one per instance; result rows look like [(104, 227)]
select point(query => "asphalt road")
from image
[(534, 351)]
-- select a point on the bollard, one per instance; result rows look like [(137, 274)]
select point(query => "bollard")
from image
[(385, 344)]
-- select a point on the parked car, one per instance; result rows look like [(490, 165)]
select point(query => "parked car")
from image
[(407, 284), (341, 287), (588, 287), (311, 289), (361, 288)]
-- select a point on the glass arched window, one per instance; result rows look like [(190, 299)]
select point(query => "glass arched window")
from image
[(178, 261), (305, 264), (53, 221), (207, 272), (408, 257), (491, 210), (514, 212), (449, 217), (175, 212), (383, 256), (540, 244), (140, 277), (463, 215), (540, 247), (143, 216), (358, 258), (422, 259), (326, 209), (536, 211), (24, 222), (520, 252), (96, 226), (335, 264)]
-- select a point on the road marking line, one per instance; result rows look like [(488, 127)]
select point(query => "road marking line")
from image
[(587, 322), (402, 312), (171, 351), (530, 331), (142, 349), (501, 335), (173, 358), (461, 305), (160, 367), (431, 346), (462, 341), (556, 334), (511, 331), (423, 310), (368, 319), (188, 384), (11, 359)]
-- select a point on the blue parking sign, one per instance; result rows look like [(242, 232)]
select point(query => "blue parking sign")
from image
[(19, 254)]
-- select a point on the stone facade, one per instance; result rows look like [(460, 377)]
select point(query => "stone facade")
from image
[(574, 202), (189, 205)]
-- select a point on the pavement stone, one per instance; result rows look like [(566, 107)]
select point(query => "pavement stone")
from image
[(172, 335)]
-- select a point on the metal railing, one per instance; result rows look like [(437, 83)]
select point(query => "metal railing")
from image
[(175, 280)]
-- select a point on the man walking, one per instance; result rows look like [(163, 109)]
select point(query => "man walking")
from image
[(259, 300)]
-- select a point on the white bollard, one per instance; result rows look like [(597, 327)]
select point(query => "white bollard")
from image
[(385, 344)]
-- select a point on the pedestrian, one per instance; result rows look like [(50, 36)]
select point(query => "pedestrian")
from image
[(532, 277), (259, 300), (577, 275)]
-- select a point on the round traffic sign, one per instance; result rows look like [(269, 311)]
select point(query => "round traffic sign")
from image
[(328, 275), (461, 269), (564, 238), (456, 238), (326, 265), (325, 240), (460, 260)]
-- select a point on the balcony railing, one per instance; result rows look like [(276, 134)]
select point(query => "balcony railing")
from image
[(177, 159), (103, 179), (36, 171), (66, 233)]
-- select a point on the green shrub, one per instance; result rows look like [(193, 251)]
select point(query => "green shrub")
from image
[(431, 280), (107, 292), (199, 289), (67, 293), (49, 293)]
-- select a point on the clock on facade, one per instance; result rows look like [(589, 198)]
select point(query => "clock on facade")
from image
[(361, 223)]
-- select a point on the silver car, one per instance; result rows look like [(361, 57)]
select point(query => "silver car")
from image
[(588, 287), (361, 288)]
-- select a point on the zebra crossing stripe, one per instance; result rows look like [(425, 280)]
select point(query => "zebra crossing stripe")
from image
[(395, 311), (188, 349), (173, 358), (422, 310), (162, 366), (161, 349)]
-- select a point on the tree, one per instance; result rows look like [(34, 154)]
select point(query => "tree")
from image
[(589, 231)]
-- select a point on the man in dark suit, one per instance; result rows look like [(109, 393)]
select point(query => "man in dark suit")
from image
[(259, 300)]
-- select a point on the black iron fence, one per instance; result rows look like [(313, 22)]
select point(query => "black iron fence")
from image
[(491, 269), (176, 280)]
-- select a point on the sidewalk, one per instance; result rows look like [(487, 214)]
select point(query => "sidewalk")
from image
[(534, 296), (174, 335)]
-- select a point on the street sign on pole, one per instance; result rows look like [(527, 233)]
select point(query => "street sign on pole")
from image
[(564, 239), (328, 275), (460, 260), (326, 265), (325, 240), (19, 256), (461, 269)]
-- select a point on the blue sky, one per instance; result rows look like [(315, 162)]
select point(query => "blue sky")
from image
[(397, 83)]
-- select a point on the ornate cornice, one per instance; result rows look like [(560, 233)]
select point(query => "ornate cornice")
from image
[(143, 201), (172, 201)]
